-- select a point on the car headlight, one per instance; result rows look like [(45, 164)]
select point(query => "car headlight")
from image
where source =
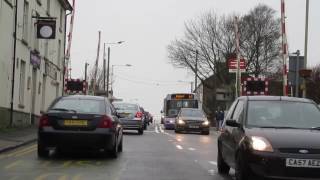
[(181, 122), (261, 144), (206, 123)]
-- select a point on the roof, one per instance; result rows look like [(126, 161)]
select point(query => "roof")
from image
[(66, 4), (84, 97), (275, 98)]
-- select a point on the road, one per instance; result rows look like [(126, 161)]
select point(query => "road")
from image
[(157, 155)]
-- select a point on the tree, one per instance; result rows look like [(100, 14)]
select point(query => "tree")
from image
[(260, 40), (213, 38)]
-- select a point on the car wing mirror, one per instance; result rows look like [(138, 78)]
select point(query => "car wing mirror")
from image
[(232, 123)]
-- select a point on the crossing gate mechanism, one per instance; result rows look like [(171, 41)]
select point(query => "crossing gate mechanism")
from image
[(255, 86), (75, 86)]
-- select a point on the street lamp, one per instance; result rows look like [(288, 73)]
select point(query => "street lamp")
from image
[(108, 72), (191, 84), (112, 72)]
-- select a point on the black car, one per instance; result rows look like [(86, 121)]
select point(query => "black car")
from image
[(191, 119), (80, 122), (271, 137), (131, 116)]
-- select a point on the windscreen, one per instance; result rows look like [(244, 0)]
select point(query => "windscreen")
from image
[(124, 107), (283, 114), (192, 113), (86, 106), (174, 106)]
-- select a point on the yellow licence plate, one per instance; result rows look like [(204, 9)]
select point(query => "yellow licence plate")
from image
[(75, 123)]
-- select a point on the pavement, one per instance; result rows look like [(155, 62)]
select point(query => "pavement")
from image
[(158, 154), (14, 138)]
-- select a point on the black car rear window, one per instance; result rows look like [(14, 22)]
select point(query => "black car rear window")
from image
[(283, 114), (87, 106)]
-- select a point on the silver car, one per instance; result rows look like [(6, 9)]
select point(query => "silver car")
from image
[(190, 119), (130, 115)]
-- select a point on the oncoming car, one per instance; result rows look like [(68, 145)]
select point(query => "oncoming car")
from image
[(271, 137), (190, 119), (80, 122)]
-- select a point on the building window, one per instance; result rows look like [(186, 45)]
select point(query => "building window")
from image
[(48, 6), (36, 40), (39, 2), (61, 19), (22, 81), (46, 49), (59, 54), (25, 20)]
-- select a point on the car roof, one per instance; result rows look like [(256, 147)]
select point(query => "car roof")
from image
[(100, 98), (275, 98), (125, 103)]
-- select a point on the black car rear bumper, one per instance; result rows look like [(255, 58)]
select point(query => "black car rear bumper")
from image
[(77, 140), (273, 165)]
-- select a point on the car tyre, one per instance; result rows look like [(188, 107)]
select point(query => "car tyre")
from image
[(140, 131), (177, 131), (115, 150), (242, 171), (120, 148), (42, 150), (223, 167), (205, 132)]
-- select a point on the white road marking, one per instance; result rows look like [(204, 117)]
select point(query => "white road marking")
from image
[(179, 147), (213, 163), (156, 129), (212, 172), (191, 149), (161, 129)]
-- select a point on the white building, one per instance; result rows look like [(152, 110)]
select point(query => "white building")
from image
[(36, 83)]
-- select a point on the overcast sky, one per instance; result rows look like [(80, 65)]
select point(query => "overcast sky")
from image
[(148, 26)]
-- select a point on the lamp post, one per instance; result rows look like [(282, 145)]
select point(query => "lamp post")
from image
[(112, 72), (108, 67)]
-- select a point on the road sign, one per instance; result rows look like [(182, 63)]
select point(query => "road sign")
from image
[(75, 86), (255, 86), (233, 65)]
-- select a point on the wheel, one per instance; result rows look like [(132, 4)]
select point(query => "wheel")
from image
[(205, 132), (140, 131), (120, 148), (177, 131), (114, 151), (223, 167), (42, 150), (242, 171)]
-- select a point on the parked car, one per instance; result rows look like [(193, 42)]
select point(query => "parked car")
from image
[(80, 122), (271, 137), (190, 119), (131, 116)]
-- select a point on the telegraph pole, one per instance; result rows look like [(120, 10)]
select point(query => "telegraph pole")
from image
[(238, 74), (104, 67), (108, 73), (297, 74), (304, 90), (196, 72)]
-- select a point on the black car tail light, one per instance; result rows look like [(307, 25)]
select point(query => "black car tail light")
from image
[(44, 121), (106, 122)]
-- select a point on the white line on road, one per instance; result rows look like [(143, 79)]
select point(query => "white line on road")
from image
[(212, 172), (191, 149), (156, 129), (213, 163), (179, 147)]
